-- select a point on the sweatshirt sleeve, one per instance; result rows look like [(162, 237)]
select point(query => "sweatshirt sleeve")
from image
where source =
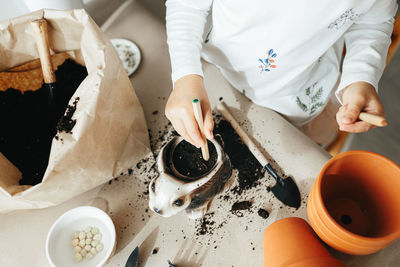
[(367, 42), (185, 20)]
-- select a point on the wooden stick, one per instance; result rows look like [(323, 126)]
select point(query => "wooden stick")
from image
[(373, 119), (198, 114), (39, 27), (222, 107)]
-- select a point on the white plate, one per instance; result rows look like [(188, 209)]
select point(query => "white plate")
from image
[(59, 250), (129, 53)]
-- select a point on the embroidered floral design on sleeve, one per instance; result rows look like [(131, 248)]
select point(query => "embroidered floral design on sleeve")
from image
[(311, 102), (348, 15), (267, 63)]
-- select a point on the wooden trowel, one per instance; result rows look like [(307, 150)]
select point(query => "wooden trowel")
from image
[(39, 27), (286, 189)]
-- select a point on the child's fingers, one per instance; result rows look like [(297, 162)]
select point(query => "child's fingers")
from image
[(180, 128), (357, 127), (193, 130), (350, 113), (340, 115), (208, 124), (353, 127)]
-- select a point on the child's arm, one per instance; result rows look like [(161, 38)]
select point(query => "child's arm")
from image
[(185, 25), (367, 42), (179, 109)]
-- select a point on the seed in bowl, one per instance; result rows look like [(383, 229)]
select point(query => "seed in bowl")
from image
[(97, 237), (82, 243), (86, 243), (78, 257), (99, 247), (82, 235), (75, 242), (76, 235), (93, 251), (83, 252)]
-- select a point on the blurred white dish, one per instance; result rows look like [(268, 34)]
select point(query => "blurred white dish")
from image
[(129, 53), (59, 250)]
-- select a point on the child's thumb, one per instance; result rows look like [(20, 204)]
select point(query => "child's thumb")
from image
[(351, 113)]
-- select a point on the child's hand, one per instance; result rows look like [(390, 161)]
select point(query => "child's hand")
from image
[(357, 97), (179, 109)]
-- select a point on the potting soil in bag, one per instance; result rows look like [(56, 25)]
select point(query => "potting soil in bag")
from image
[(98, 129), (32, 125)]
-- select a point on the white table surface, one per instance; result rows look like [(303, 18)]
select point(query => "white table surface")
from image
[(239, 241)]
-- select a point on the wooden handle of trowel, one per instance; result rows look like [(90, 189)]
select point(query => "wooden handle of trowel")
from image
[(223, 108), (373, 119), (39, 27), (198, 114)]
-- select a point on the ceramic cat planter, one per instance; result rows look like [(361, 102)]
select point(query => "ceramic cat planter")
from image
[(178, 187)]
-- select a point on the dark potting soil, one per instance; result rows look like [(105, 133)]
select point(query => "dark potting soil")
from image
[(242, 205), (189, 161), (250, 170), (206, 224), (66, 123), (263, 213), (238, 207), (28, 123)]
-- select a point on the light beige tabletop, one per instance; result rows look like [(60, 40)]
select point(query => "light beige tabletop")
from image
[(238, 240)]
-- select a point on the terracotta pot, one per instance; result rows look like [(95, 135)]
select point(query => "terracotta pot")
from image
[(354, 204), (292, 242)]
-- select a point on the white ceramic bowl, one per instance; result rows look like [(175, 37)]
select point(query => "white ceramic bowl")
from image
[(59, 250), (129, 53)]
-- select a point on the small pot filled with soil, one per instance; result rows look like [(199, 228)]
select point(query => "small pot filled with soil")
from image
[(186, 180)]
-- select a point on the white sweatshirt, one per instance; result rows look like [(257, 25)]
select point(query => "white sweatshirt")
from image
[(284, 55)]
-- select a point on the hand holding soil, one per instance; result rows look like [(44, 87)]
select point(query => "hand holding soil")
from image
[(179, 109)]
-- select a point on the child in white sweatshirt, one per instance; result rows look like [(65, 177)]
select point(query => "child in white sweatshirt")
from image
[(285, 55)]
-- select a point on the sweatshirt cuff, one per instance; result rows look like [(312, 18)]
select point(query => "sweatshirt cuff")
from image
[(183, 71)]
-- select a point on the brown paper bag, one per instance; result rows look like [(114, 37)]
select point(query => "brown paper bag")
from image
[(110, 134)]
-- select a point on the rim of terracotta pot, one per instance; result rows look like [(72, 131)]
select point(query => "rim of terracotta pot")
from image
[(331, 225)]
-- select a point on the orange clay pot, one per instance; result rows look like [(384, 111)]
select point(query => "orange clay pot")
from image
[(354, 204), (292, 242)]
